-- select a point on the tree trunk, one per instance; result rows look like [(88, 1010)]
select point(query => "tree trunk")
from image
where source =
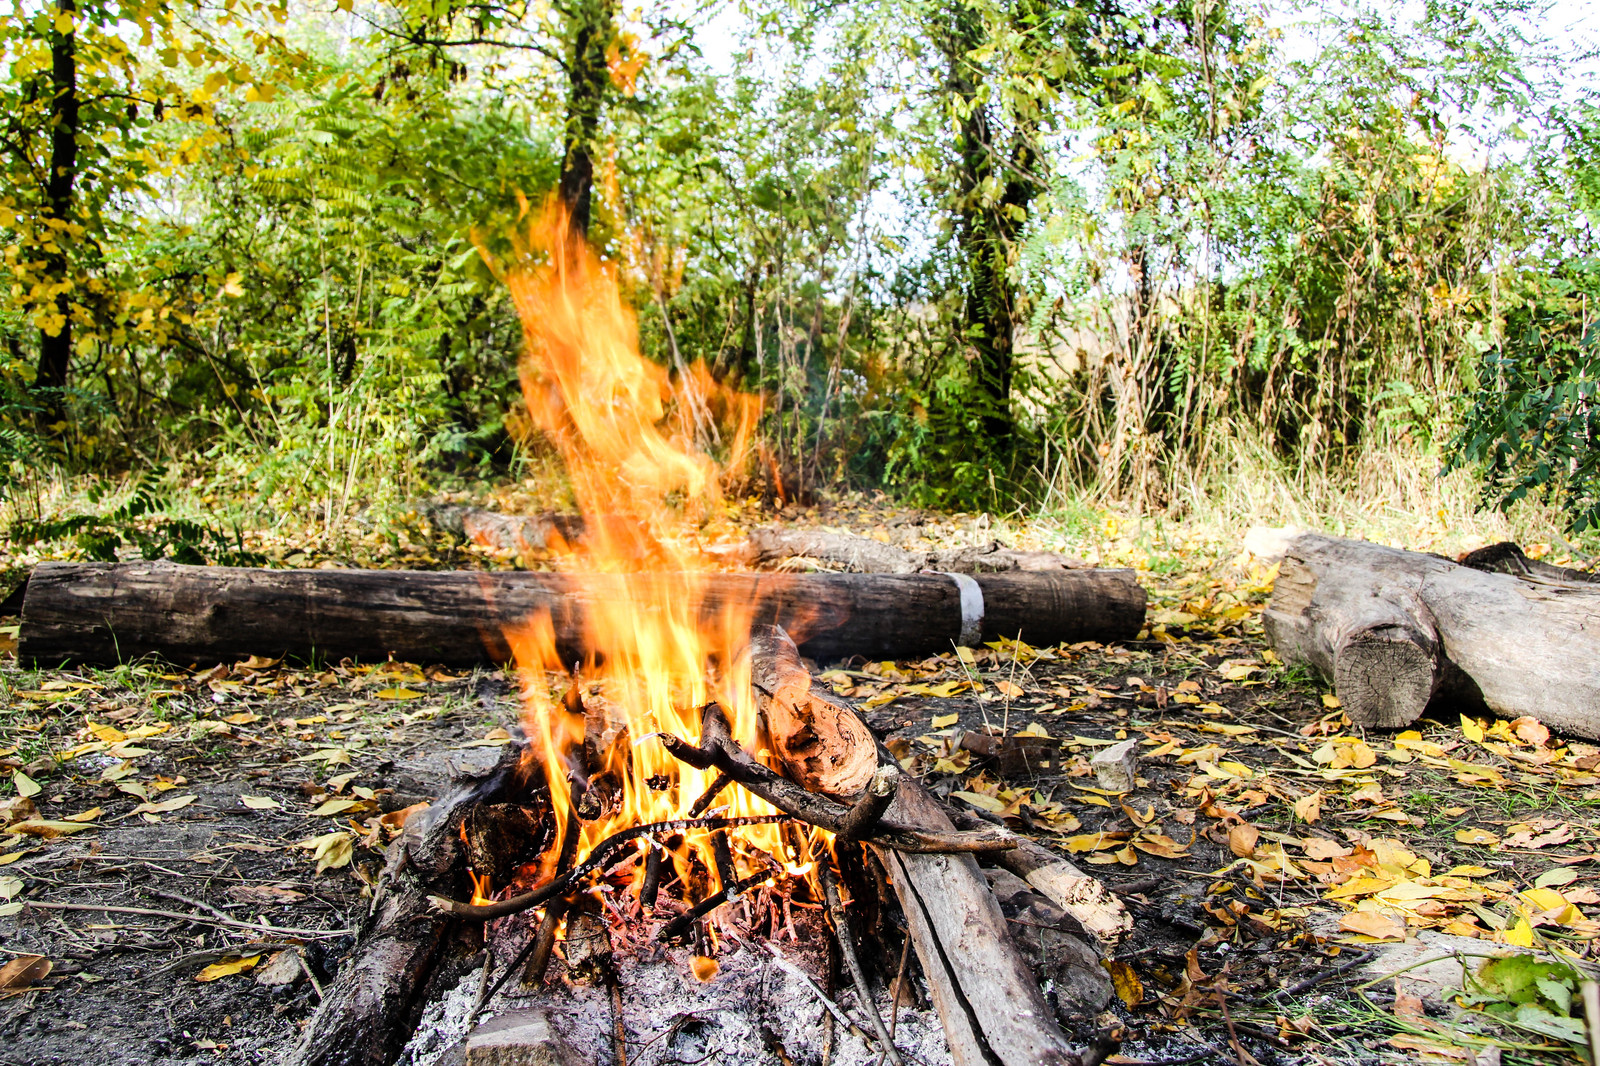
[(593, 29), (984, 990), (1398, 632), (771, 544), (55, 347), (114, 612)]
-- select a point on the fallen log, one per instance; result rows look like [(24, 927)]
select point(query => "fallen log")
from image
[(369, 1011), (115, 612), (985, 992), (773, 545), (1398, 632)]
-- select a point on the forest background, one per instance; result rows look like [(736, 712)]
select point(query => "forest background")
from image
[(1207, 261)]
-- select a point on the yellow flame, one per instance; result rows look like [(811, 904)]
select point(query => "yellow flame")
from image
[(633, 442)]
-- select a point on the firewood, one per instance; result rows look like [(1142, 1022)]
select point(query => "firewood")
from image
[(1397, 632), (985, 992), (863, 555), (368, 1012), (114, 612)]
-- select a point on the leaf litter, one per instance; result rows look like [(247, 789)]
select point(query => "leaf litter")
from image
[(1264, 847)]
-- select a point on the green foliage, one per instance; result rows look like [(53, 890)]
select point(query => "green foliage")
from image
[(1533, 426), (1530, 994), (138, 521)]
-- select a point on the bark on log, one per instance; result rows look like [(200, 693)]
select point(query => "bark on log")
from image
[(370, 1010), (1397, 632), (115, 612), (772, 545), (985, 992)]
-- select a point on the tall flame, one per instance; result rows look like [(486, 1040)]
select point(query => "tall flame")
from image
[(632, 441)]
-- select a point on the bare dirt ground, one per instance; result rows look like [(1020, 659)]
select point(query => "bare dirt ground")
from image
[(188, 847)]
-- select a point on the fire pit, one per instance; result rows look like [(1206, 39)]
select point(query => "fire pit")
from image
[(690, 837)]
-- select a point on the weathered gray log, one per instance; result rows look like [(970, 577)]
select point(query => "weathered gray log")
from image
[(1397, 632), (983, 988), (371, 1008), (775, 544), (115, 612)]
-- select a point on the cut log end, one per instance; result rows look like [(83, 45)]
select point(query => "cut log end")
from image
[(1384, 677)]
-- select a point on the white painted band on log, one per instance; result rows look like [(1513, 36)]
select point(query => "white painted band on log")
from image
[(971, 608)]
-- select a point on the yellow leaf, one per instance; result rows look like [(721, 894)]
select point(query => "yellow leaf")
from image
[(1034, 729), (399, 694), (1472, 729), (85, 816), (227, 968), (1009, 690), (43, 827), (64, 22), (331, 850), (109, 734), (1308, 808), (940, 721), (176, 803), (1242, 839), (1480, 837), (260, 803), (964, 653), (977, 799), (1094, 842), (334, 806), (1129, 988), (1330, 701), (25, 785), (1519, 934), (242, 718), (1376, 924)]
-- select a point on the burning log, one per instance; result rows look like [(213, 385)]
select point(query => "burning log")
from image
[(113, 612), (985, 992)]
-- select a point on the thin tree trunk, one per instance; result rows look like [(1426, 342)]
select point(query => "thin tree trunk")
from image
[(588, 77), (55, 348)]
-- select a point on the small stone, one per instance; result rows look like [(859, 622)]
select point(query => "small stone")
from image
[(1117, 767), (520, 1038), (281, 971)]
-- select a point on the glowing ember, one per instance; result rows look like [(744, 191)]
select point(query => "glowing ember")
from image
[(635, 448)]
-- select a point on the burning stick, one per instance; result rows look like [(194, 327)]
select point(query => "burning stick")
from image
[(680, 926), (847, 944), (597, 858), (718, 749)]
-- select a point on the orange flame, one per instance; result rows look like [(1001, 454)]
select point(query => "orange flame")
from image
[(635, 444)]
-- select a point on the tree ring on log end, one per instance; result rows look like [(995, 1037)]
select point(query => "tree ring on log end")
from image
[(1385, 676)]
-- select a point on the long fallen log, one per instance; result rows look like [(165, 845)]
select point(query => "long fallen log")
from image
[(1397, 632), (984, 990), (771, 545), (114, 612)]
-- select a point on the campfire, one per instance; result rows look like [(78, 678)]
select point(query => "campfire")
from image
[(684, 806)]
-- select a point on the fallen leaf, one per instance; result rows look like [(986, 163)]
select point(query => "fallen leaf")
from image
[(1308, 808), (176, 803), (331, 850), (260, 803), (26, 786), (396, 820), (399, 694), (332, 807), (941, 721), (85, 816), (266, 894), (1375, 924), (1475, 835), (1472, 729), (1008, 690), (1159, 845), (1242, 840), (24, 971), (242, 718), (1127, 984), (227, 967), (1330, 701), (977, 799), (44, 827)]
